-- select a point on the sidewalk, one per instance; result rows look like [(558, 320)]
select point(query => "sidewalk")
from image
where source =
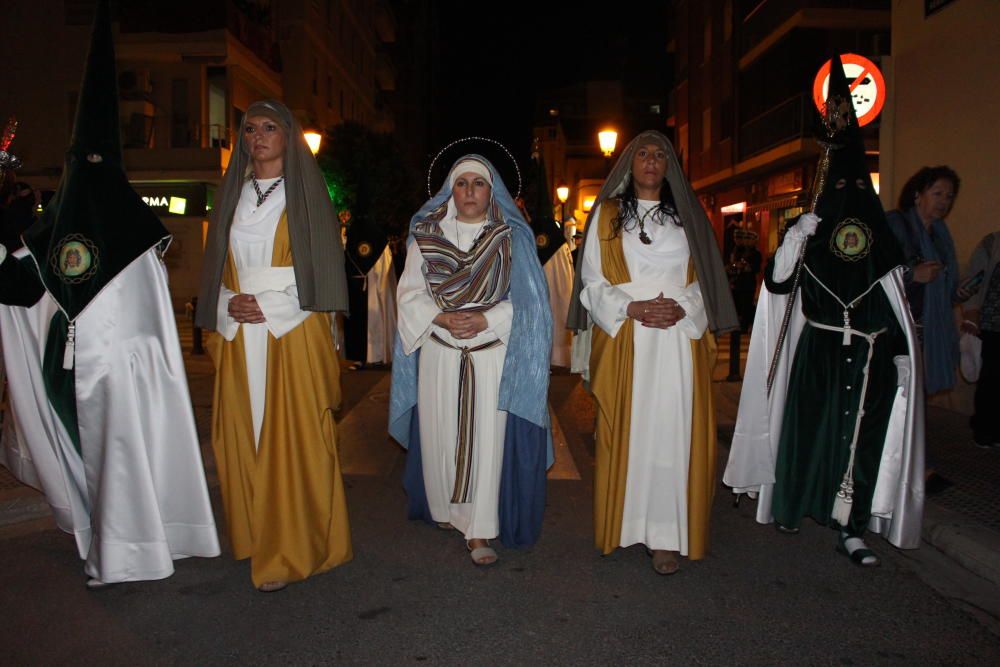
[(963, 522)]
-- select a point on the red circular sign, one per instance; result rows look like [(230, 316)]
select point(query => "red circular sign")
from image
[(865, 81)]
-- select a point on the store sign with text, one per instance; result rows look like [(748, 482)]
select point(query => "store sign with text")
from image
[(175, 199)]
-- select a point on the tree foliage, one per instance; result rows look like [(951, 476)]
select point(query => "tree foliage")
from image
[(367, 175)]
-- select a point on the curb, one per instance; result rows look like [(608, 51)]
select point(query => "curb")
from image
[(966, 541)]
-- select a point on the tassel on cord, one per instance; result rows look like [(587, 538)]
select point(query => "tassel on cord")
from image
[(843, 501), (69, 354)]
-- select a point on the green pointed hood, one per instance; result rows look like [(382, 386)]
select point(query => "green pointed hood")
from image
[(853, 246), (96, 224)]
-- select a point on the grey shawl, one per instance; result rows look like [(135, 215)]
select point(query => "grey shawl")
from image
[(314, 230), (708, 264)]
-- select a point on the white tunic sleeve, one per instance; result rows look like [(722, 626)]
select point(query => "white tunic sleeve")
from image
[(281, 310), (605, 302), (224, 324), (417, 309), (499, 318), (695, 321)]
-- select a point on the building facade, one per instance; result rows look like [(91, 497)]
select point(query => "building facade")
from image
[(742, 106), (187, 71)]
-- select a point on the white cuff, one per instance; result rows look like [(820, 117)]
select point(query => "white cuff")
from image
[(281, 310), (224, 324), (499, 318), (786, 257)]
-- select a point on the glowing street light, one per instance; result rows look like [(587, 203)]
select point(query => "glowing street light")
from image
[(607, 139), (562, 192), (314, 139)]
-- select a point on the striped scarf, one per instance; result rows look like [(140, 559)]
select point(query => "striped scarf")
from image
[(456, 278)]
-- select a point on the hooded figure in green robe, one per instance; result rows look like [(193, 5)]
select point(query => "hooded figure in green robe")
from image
[(91, 347), (839, 435)]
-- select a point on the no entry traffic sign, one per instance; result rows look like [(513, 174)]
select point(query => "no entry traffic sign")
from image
[(866, 83)]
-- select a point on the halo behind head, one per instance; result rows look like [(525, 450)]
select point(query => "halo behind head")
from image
[(491, 149)]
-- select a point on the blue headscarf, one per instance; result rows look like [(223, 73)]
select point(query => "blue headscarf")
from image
[(525, 381), (524, 385)]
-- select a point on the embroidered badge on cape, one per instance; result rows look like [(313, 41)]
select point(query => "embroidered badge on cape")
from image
[(542, 240), (851, 240), (364, 249), (75, 259)]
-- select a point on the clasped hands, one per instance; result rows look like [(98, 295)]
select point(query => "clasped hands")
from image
[(244, 309), (658, 313), (462, 324)]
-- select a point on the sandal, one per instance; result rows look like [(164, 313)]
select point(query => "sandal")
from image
[(482, 556), (444, 525), (664, 562), (272, 586), (855, 549), (96, 584)]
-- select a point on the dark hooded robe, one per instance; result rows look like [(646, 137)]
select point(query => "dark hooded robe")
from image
[(91, 348), (845, 379)]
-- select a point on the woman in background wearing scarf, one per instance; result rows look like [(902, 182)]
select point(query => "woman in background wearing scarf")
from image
[(472, 358), (653, 281), (273, 259), (932, 283)]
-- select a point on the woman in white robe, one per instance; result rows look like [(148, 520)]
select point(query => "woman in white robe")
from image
[(648, 246), (442, 337), (272, 269)]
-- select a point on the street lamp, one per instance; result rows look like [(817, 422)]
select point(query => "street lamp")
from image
[(562, 193), (314, 139), (607, 139)]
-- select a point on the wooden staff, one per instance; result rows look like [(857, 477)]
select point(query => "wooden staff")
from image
[(818, 183)]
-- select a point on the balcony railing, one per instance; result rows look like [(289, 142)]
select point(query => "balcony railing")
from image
[(768, 15), (779, 124), (251, 24)]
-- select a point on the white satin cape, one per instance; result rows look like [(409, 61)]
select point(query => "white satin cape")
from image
[(559, 275), (898, 503), (136, 499), (381, 287)]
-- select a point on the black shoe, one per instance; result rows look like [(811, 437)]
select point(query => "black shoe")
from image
[(936, 484), (785, 530)]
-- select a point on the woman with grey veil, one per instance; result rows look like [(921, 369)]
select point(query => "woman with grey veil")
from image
[(653, 282), (273, 272)]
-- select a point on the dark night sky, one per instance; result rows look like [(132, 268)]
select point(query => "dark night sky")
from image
[(497, 57)]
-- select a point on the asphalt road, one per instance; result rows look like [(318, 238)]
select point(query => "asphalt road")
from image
[(412, 595)]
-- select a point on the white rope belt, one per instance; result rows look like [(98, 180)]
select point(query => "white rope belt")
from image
[(845, 494)]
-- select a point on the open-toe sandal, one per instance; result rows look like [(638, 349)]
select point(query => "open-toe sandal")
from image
[(272, 586), (482, 556), (664, 562), (855, 549)]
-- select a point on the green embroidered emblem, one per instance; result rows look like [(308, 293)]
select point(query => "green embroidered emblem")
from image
[(851, 240), (74, 259)]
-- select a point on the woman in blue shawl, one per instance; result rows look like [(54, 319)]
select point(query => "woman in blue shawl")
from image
[(471, 364), (932, 283)]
